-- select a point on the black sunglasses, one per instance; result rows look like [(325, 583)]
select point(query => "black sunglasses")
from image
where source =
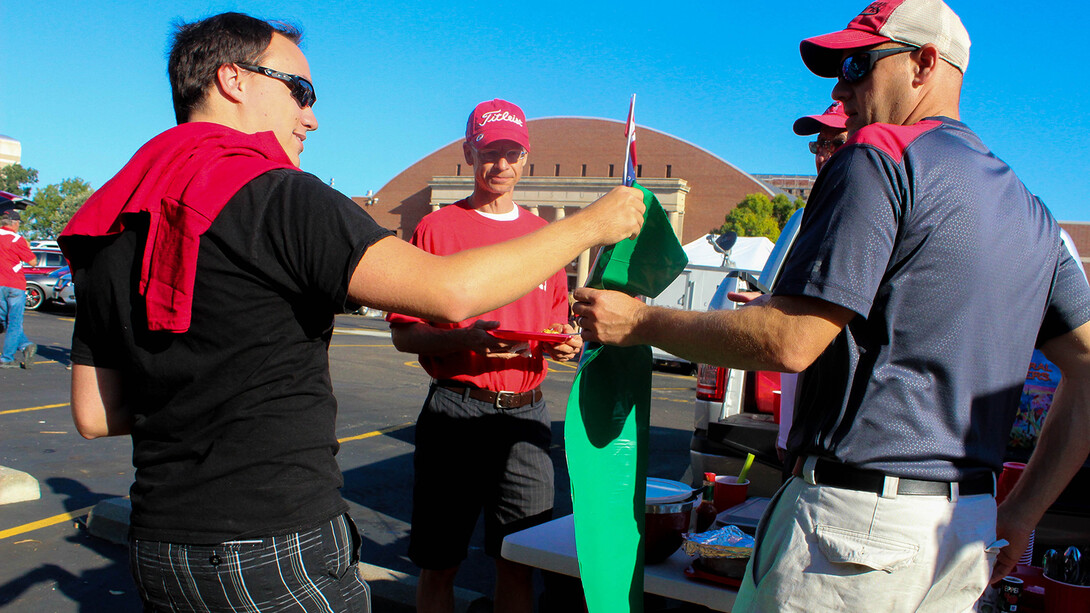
[(857, 66), (301, 89), (828, 145)]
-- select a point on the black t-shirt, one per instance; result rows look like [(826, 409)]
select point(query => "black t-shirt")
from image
[(955, 272), (233, 420)]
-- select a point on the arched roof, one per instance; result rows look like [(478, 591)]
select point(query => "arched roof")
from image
[(583, 146)]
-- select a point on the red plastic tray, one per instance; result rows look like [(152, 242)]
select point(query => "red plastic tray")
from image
[(700, 575), (519, 335)]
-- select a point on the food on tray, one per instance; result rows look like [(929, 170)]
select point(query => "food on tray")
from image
[(723, 552)]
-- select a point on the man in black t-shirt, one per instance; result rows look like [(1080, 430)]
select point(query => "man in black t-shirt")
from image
[(208, 274), (923, 276)]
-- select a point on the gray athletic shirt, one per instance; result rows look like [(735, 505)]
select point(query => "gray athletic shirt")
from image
[(955, 272)]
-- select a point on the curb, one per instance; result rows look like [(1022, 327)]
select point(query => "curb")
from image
[(391, 591), (17, 486)]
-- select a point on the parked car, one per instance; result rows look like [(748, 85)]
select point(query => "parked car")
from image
[(48, 261), (40, 244), (40, 287), (64, 292)]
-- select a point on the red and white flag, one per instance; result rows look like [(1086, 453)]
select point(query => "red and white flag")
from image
[(630, 151)]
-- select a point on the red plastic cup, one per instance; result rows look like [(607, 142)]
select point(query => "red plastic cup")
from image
[(729, 492), (1063, 597), (1012, 471)]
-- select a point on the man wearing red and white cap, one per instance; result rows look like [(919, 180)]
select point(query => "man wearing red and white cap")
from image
[(483, 435), (923, 276), (830, 128)]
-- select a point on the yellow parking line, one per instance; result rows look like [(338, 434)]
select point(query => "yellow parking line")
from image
[(48, 406), (376, 432), (44, 523)]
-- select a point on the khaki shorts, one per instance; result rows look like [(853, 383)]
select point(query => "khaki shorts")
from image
[(821, 548)]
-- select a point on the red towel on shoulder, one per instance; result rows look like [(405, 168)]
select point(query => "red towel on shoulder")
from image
[(181, 180)]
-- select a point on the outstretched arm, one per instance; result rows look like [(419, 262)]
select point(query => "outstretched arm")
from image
[(396, 276), (782, 333)]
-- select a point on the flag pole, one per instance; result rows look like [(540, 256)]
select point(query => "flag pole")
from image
[(629, 169)]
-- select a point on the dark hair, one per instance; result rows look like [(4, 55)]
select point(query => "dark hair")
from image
[(198, 50)]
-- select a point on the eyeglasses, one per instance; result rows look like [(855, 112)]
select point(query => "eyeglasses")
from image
[(857, 66), (491, 156), (826, 145), (301, 89)]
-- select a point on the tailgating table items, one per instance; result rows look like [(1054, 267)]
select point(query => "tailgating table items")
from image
[(606, 427), (551, 546)]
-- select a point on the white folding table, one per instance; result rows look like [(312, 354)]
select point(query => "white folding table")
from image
[(551, 546)]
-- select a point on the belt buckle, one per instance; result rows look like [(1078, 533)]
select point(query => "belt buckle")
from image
[(506, 400)]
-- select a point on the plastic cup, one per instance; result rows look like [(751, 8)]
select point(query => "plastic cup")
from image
[(1012, 471), (729, 492)]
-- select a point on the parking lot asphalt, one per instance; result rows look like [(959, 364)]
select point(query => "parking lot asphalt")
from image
[(51, 562)]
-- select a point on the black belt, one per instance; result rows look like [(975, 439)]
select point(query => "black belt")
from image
[(500, 400), (835, 474)]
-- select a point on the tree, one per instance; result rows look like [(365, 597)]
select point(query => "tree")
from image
[(757, 215), (15, 179), (54, 205)]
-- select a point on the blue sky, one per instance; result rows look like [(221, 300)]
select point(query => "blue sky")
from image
[(84, 83)]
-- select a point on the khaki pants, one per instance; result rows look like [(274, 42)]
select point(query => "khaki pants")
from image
[(821, 548)]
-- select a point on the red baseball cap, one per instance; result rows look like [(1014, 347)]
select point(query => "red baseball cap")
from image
[(913, 22), (495, 120), (833, 117)]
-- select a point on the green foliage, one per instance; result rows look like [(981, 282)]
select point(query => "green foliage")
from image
[(53, 206), (15, 179), (757, 215)]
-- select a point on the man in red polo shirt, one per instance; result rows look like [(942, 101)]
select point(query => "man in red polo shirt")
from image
[(483, 436), (14, 252)]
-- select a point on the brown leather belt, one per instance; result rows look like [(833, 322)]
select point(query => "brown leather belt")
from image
[(500, 400)]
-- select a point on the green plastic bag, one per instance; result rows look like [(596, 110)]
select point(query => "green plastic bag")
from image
[(606, 426), (644, 266)]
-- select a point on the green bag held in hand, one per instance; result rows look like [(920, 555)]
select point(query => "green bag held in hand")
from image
[(606, 427), (644, 266)]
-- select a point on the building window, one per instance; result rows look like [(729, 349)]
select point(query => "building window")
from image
[(584, 170), (639, 170), (557, 171), (669, 171), (611, 170), (458, 172), (531, 170)]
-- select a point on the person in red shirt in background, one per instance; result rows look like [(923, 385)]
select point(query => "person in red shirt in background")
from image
[(483, 436), (14, 252)]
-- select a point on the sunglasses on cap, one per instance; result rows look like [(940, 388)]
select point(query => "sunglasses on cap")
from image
[(826, 145), (857, 66), (491, 156), (301, 89)]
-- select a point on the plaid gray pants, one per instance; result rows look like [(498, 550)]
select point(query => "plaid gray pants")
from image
[(305, 572)]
